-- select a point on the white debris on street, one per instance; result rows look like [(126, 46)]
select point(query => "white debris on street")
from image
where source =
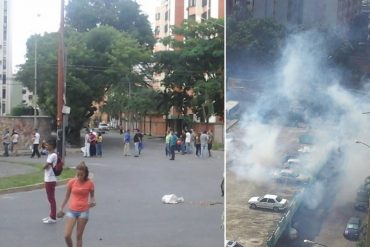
[(172, 199)]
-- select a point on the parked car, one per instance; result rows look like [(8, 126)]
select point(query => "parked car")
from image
[(291, 176), (353, 228), (362, 205), (103, 127), (292, 163), (231, 243), (268, 201)]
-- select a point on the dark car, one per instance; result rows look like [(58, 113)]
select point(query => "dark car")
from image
[(231, 243), (362, 205), (353, 228)]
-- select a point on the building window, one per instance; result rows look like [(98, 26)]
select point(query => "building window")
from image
[(166, 16), (157, 16), (3, 110), (191, 18), (24, 91), (192, 3), (4, 78), (204, 16), (204, 3), (4, 93), (165, 29)]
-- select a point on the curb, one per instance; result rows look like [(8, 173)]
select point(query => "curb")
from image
[(30, 187)]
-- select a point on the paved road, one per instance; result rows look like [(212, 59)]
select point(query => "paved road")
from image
[(129, 210)]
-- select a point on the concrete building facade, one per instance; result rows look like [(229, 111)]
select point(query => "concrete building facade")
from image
[(8, 97)]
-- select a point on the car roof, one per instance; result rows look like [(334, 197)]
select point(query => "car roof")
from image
[(270, 196)]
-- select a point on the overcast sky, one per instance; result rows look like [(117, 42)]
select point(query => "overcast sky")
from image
[(40, 16)]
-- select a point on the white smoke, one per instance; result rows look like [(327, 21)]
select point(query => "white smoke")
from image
[(308, 87)]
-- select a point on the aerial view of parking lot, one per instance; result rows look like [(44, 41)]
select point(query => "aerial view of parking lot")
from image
[(297, 142)]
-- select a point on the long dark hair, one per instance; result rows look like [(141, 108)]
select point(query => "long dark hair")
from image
[(83, 167)]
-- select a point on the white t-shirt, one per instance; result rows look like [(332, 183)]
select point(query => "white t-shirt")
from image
[(187, 137), (36, 139), (15, 138), (49, 175)]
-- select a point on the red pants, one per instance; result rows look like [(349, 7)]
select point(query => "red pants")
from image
[(50, 192)]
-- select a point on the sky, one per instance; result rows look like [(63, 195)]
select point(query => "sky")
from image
[(40, 16)]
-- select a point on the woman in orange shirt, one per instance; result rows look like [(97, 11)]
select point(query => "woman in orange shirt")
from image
[(80, 193)]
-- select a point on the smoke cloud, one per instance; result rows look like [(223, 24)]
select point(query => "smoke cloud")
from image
[(303, 94)]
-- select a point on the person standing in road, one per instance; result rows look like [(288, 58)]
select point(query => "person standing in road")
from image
[(187, 142), (197, 144), (6, 142), (50, 181), (141, 144), (81, 196), (87, 143), (137, 142), (204, 144), (36, 142), (168, 137), (15, 137), (99, 145), (210, 142), (173, 144), (126, 143)]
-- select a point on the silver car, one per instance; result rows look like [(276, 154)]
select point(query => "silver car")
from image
[(268, 201), (291, 176)]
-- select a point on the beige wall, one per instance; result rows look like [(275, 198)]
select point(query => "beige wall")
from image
[(24, 126)]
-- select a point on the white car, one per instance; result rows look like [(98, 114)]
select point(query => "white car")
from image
[(290, 176), (103, 127), (268, 201), (292, 163)]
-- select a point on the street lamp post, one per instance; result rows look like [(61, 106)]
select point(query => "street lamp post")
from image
[(368, 212), (312, 242), (35, 85)]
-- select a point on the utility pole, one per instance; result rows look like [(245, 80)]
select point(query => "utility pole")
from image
[(60, 85)]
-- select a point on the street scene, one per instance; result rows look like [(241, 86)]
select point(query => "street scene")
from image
[(128, 192), (297, 143)]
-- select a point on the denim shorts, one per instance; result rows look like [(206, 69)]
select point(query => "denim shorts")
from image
[(78, 214)]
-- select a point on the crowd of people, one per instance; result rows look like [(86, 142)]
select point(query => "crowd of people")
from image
[(93, 144), (187, 141)]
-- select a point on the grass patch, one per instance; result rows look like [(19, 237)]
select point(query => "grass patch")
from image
[(218, 146), (32, 177)]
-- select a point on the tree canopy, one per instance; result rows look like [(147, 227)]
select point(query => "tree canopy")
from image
[(194, 68), (123, 15), (96, 62)]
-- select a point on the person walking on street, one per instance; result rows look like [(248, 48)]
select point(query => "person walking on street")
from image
[(81, 196), (126, 143), (137, 141), (173, 144), (50, 181), (210, 142), (35, 145), (87, 143), (204, 144), (92, 140), (99, 145), (167, 148), (6, 142)]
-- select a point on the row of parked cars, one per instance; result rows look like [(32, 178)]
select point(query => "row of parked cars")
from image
[(354, 226)]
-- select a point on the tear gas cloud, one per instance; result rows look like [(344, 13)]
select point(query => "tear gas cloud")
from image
[(305, 90)]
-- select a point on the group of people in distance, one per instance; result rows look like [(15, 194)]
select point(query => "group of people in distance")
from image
[(188, 140), (138, 143), (10, 141), (93, 144)]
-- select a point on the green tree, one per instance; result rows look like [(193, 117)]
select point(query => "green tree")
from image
[(253, 41), (194, 68), (124, 15), (92, 69)]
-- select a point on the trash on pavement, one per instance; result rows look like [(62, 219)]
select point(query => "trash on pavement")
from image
[(172, 199)]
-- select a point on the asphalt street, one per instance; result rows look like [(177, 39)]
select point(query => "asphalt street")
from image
[(129, 210)]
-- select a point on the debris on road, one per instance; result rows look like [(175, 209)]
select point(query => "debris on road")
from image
[(172, 199)]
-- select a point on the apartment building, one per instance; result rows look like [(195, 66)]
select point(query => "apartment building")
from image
[(7, 97), (174, 12), (330, 13)]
